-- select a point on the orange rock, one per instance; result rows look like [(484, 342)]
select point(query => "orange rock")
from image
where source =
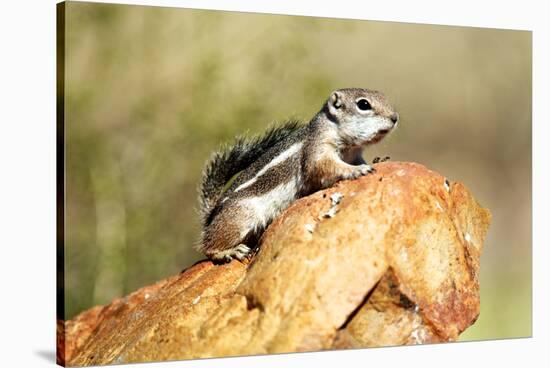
[(389, 259)]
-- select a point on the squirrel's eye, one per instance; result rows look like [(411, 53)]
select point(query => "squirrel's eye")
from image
[(364, 105)]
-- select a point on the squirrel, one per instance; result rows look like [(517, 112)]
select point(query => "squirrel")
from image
[(245, 186)]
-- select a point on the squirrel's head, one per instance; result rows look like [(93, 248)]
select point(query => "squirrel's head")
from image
[(363, 116)]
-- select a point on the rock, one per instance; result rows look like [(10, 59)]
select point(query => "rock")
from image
[(391, 258)]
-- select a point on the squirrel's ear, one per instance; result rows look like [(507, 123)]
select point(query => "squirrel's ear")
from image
[(335, 102)]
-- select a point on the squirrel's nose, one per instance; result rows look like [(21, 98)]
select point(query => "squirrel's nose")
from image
[(394, 117)]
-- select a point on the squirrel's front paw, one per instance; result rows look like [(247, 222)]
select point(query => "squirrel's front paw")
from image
[(380, 159), (361, 170)]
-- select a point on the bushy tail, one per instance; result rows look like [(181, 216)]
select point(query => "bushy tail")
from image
[(229, 161)]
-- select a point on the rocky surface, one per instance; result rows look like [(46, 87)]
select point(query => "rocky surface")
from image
[(389, 259)]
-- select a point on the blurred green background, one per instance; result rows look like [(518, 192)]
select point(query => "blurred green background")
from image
[(151, 92)]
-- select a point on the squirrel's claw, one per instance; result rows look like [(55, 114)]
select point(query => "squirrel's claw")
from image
[(380, 159), (361, 170)]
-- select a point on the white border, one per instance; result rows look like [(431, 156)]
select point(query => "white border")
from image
[(27, 185)]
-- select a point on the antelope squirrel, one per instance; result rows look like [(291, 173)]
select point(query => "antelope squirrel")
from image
[(271, 171)]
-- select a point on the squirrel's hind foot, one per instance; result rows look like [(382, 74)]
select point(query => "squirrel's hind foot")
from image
[(239, 252)]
